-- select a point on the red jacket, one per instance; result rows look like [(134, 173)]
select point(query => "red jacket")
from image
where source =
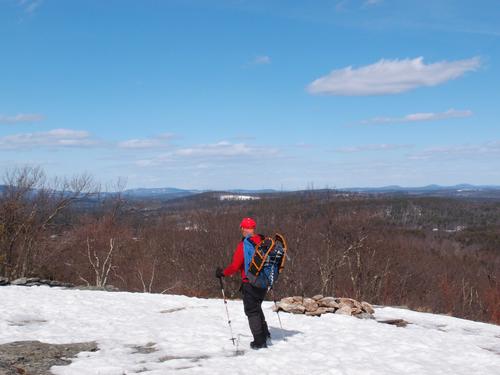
[(238, 263)]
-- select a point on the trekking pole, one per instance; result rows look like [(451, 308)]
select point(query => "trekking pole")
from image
[(277, 309), (227, 311)]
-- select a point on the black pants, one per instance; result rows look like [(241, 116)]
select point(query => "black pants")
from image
[(252, 303)]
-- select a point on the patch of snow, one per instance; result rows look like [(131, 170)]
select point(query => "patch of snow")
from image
[(458, 228), (191, 336), (232, 197)]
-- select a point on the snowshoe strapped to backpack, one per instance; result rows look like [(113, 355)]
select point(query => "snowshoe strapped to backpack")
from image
[(264, 260)]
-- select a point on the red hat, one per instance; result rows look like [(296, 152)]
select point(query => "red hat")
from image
[(248, 223)]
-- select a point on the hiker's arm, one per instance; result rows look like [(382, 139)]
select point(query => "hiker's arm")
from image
[(237, 262)]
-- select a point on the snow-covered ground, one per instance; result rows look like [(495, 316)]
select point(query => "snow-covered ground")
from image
[(191, 336)]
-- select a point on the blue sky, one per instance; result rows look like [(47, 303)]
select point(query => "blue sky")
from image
[(252, 93)]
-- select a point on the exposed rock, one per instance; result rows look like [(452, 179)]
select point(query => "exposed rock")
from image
[(344, 310), (288, 300), (25, 322), (172, 310), (352, 303), (60, 283), (395, 322), (294, 308), (107, 288), (144, 349), (317, 312), (364, 315), (298, 299), (310, 304), (34, 281), (317, 297), (20, 281), (35, 357), (328, 302), (345, 301), (367, 307)]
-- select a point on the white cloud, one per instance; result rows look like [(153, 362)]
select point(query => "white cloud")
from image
[(373, 147), (146, 143), (420, 116), (21, 117), (491, 148), (390, 76), (261, 60), (223, 149), (51, 138)]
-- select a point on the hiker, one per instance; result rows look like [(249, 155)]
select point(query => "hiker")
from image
[(252, 295)]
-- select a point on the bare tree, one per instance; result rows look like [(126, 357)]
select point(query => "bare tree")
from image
[(28, 205), (101, 265)]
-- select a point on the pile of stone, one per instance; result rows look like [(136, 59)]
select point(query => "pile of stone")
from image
[(318, 305), (32, 281)]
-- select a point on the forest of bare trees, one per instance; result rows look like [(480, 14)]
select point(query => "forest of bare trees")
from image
[(431, 254)]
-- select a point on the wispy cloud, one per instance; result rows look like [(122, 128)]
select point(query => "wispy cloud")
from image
[(390, 77), (21, 117), (54, 138), (491, 148), (223, 149), (372, 147), (220, 151), (261, 60), (341, 5), (159, 141), (418, 117), (30, 6), (368, 3)]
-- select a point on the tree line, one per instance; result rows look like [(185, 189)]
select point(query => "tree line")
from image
[(430, 254)]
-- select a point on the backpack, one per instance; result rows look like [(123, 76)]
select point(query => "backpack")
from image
[(264, 260)]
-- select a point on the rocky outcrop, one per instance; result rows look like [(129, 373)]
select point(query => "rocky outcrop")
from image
[(106, 288), (35, 357), (37, 281), (33, 281), (319, 305)]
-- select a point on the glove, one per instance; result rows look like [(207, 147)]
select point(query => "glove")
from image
[(219, 272)]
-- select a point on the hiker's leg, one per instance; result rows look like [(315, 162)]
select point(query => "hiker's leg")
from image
[(253, 310), (265, 328)]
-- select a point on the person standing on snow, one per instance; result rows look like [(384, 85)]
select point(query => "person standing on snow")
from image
[(252, 296)]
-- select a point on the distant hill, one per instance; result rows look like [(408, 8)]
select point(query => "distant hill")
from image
[(460, 190), (427, 188), (173, 193), (159, 193)]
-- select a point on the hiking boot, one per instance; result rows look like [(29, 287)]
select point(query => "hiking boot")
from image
[(258, 345), (267, 337)]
